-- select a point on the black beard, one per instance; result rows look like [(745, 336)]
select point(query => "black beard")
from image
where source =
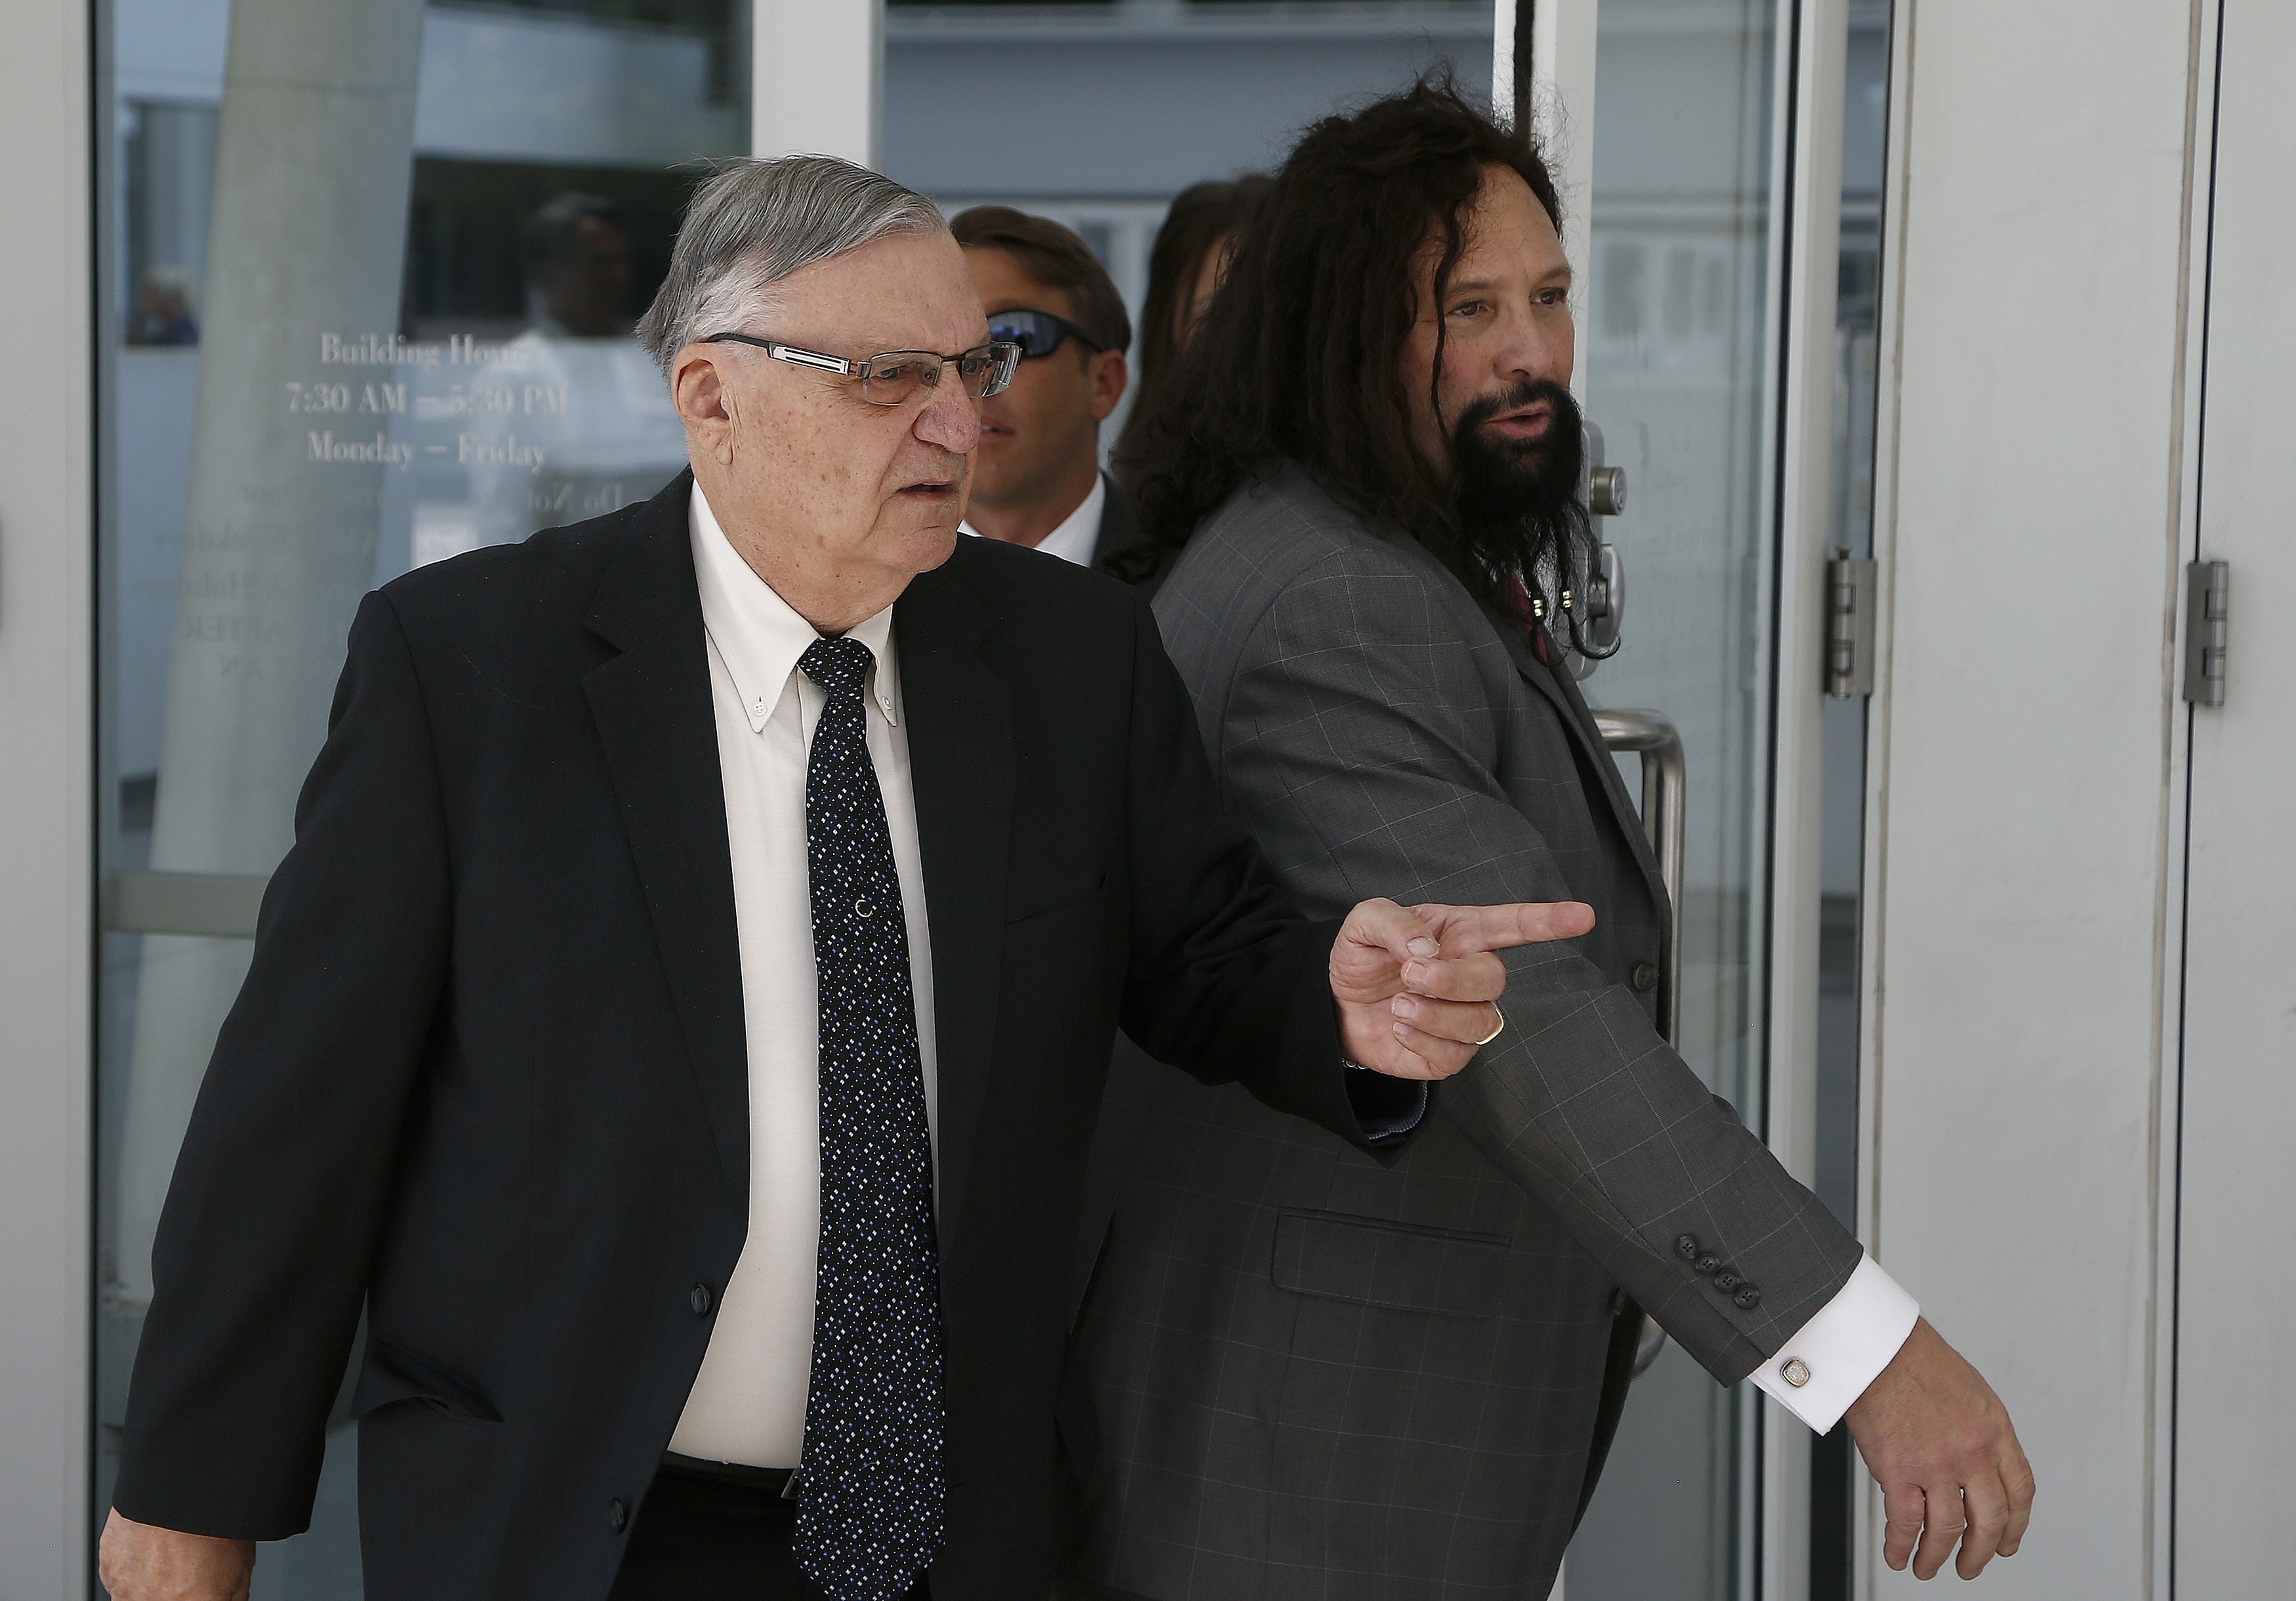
[(1516, 501)]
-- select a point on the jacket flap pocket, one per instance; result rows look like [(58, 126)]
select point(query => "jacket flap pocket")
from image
[(1396, 1265), (389, 1376)]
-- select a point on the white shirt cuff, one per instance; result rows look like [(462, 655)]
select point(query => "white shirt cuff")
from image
[(1832, 1358)]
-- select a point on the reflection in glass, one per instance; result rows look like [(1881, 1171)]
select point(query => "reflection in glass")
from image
[(374, 267)]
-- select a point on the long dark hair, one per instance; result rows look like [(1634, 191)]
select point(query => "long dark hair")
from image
[(1202, 218), (1301, 353)]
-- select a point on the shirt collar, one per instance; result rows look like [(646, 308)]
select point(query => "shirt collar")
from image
[(1078, 533), (759, 636)]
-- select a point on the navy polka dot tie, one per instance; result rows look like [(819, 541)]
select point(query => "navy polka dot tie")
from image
[(870, 1491)]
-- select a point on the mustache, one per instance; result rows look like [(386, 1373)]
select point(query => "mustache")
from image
[(1529, 391)]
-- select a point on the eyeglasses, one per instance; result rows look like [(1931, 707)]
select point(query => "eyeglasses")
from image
[(894, 376), (1036, 333)]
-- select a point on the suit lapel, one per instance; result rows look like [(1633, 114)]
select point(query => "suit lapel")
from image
[(960, 771), (658, 724), (1559, 688)]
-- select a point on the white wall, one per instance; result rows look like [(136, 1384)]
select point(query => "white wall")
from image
[(2027, 519), (45, 597)]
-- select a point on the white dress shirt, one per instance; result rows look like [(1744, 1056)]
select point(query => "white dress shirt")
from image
[(747, 1402), (1079, 534), (1832, 1358)]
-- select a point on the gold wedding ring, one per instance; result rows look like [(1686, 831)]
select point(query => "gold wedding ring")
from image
[(1494, 1034)]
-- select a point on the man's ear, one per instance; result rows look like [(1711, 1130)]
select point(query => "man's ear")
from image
[(698, 389), (1110, 375)]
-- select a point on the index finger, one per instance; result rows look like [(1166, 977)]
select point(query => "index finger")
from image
[(1468, 929)]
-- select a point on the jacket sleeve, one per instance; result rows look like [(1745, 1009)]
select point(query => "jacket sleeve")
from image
[(1356, 740), (264, 1246), (1225, 977)]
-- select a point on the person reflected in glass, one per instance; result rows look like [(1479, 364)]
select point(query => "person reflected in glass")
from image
[(1185, 268), (569, 421), (1036, 478), (576, 254), (163, 314), (1401, 1377)]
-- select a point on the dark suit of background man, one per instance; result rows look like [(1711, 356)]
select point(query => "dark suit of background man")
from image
[(1322, 1377), (671, 893), (1035, 476)]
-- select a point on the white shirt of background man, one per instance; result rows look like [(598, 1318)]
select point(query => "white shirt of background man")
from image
[(1079, 534)]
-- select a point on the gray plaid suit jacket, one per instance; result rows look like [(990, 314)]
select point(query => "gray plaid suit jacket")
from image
[(1315, 1375)]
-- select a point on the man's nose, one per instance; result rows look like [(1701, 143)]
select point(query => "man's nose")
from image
[(951, 418), (1526, 354)]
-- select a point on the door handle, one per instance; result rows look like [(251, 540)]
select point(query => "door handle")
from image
[(1654, 737)]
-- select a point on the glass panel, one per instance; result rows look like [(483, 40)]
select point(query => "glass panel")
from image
[(1105, 111), (1681, 319), (374, 267)]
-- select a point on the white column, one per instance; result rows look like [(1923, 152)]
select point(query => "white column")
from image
[(819, 77), (309, 233)]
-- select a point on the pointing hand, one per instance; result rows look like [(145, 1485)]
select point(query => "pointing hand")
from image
[(1415, 986)]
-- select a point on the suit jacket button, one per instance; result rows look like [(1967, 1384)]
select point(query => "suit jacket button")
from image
[(1707, 1262), (1687, 1247), (1748, 1297), (1645, 976), (700, 1301), (1726, 1281), (618, 1517)]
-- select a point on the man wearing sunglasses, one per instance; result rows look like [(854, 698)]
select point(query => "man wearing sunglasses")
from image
[(677, 1028), (1035, 476)]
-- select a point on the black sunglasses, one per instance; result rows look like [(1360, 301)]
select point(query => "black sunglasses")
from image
[(1036, 333)]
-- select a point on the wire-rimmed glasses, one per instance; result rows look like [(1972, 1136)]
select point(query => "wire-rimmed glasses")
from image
[(891, 377)]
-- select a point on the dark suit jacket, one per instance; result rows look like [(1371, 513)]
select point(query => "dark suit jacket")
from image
[(1118, 526), (1321, 1377), (488, 1076)]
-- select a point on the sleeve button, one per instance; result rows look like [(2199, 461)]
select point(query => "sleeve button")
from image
[(1707, 1262), (1726, 1281), (1687, 1247), (700, 1300), (1748, 1297)]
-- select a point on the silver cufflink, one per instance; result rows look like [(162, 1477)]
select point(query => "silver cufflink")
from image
[(1794, 1371)]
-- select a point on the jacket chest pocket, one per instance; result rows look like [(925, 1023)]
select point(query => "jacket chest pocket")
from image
[(1394, 1265)]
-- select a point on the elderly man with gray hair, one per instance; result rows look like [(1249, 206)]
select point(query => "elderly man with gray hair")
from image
[(680, 1020)]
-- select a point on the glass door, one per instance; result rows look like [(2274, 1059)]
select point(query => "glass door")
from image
[(372, 266), (1680, 321), (1678, 125)]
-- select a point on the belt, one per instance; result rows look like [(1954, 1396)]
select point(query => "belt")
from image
[(781, 1481)]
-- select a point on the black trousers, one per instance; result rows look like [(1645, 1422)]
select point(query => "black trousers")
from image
[(703, 1536)]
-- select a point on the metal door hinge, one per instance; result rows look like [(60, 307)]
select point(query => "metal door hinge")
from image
[(1850, 611), (2208, 626)]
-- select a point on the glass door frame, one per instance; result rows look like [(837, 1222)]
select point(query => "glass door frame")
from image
[(1544, 52), (47, 724)]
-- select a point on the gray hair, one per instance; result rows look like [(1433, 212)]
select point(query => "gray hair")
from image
[(754, 223)]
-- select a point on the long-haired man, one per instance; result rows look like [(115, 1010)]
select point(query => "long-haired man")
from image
[(1316, 1374)]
